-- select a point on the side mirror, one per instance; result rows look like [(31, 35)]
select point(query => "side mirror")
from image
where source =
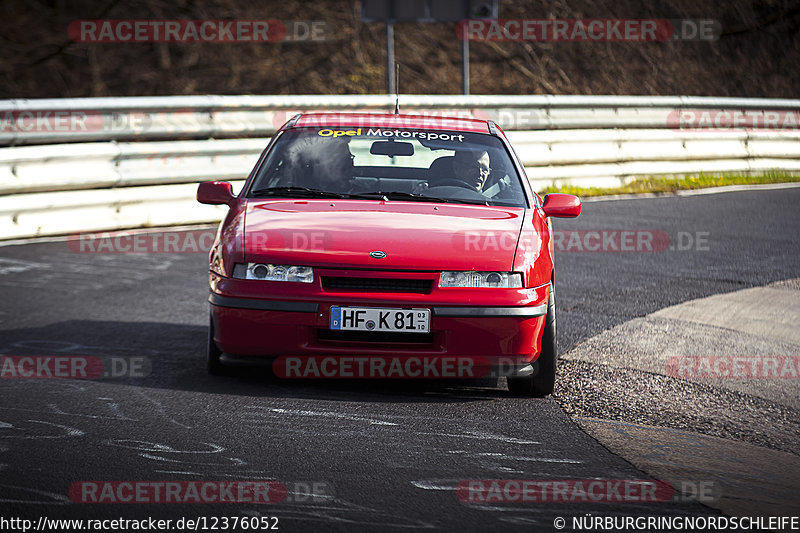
[(561, 205), (215, 192)]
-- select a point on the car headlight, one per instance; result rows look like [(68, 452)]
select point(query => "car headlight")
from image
[(261, 271), (507, 280)]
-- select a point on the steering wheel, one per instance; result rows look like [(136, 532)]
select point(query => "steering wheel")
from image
[(455, 182), (452, 192)]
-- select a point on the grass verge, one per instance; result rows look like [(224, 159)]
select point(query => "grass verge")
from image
[(667, 184)]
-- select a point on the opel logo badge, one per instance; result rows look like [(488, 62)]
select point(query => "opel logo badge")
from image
[(377, 254)]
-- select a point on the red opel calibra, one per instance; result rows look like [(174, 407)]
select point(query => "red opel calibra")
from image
[(363, 243)]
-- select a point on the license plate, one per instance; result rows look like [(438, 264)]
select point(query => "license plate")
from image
[(381, 319)]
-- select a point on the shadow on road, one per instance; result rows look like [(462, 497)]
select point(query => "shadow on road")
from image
[(174, 356)]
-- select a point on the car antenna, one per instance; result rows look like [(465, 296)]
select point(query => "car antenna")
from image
[(397, 88)]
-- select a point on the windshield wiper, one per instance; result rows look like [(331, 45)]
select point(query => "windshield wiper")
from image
[(397, 195), (394, 195), (299, 192)]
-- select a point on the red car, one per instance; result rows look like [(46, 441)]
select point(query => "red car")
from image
[(361, 240)]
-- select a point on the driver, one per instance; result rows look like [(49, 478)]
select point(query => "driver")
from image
[(472, 167)]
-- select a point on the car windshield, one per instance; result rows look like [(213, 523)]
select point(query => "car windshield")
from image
[(390, 164)]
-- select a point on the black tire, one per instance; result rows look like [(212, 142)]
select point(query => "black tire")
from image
[(213, 353), (543, 380)]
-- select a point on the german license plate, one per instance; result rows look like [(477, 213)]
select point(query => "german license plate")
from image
[(381, 319)]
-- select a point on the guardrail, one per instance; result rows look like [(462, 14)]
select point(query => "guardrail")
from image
[(125, 162), (170, 117)]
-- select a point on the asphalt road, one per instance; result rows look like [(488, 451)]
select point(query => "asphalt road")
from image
[(381, 456)]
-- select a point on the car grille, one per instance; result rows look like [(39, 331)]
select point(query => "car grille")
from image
[(334, 283)]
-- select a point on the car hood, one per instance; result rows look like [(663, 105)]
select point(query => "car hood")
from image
[(413, 235)]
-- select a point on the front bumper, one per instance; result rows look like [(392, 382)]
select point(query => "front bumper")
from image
[(253, 319)]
